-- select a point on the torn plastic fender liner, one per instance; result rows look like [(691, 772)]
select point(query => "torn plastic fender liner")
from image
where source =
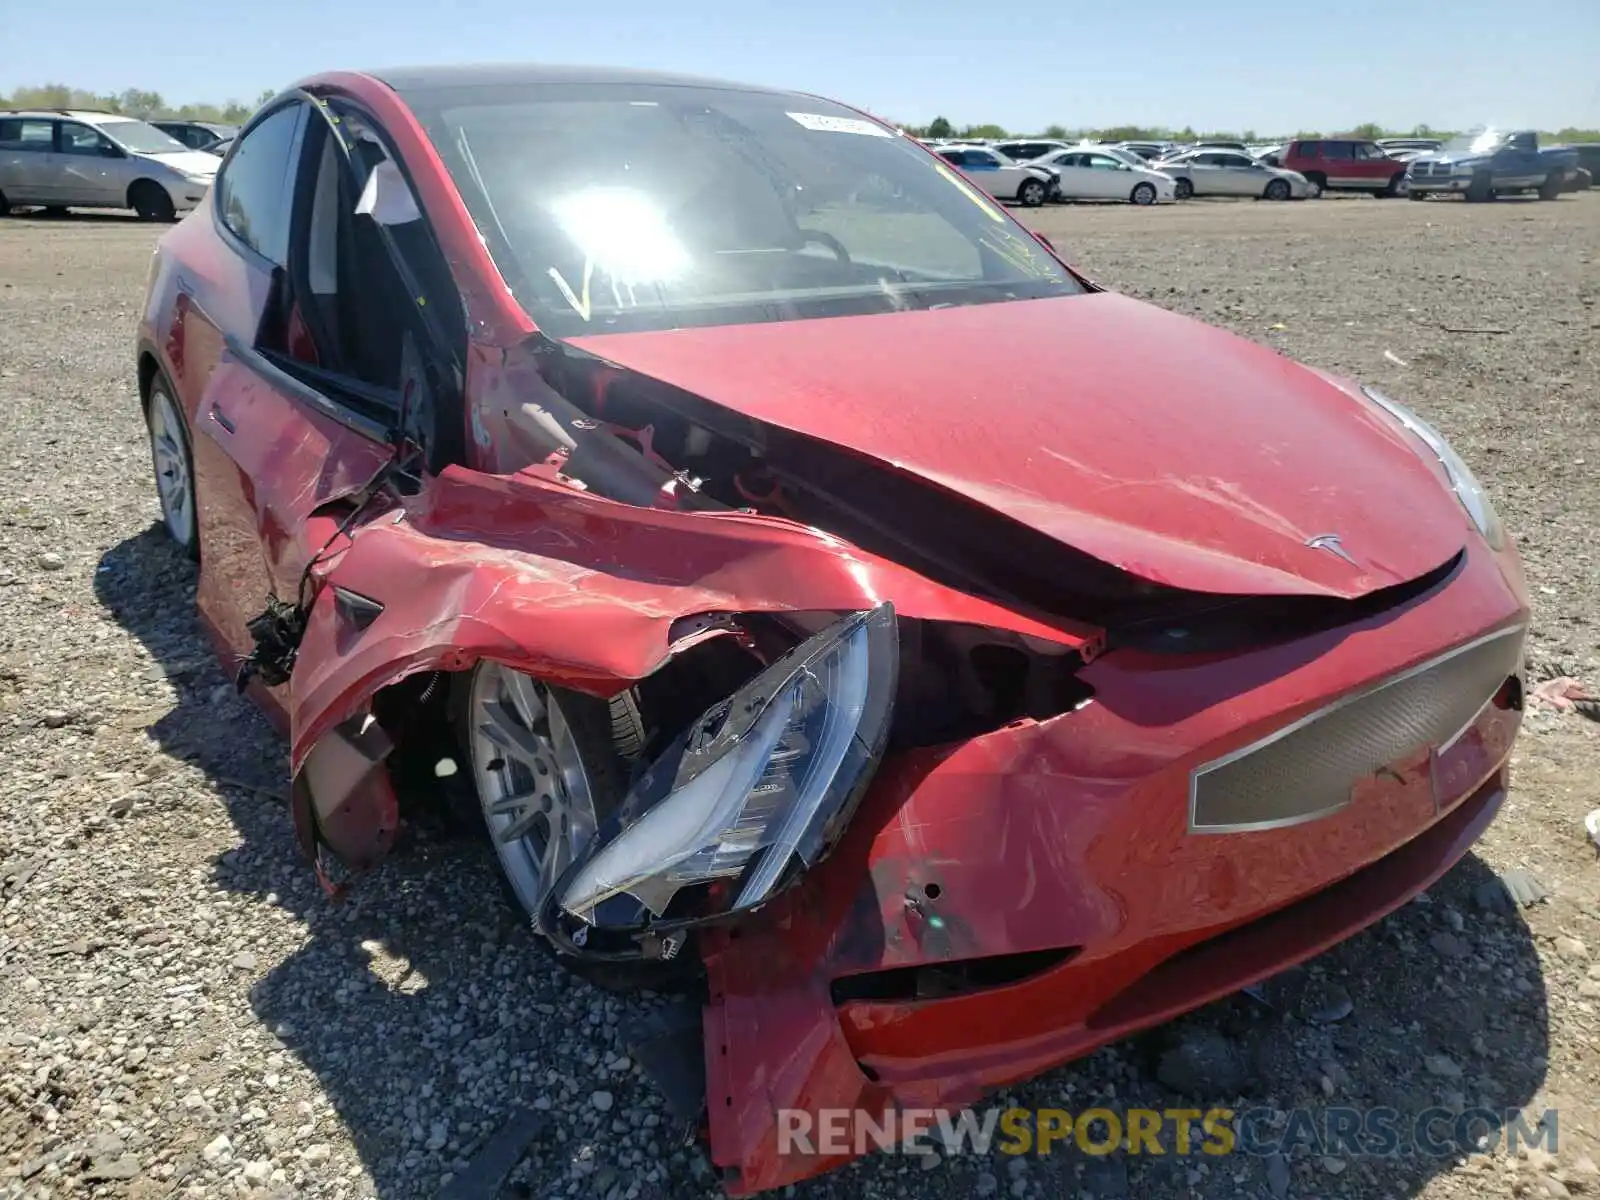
[(576, 589)]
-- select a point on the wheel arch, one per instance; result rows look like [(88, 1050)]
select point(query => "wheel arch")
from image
[(146, 180)]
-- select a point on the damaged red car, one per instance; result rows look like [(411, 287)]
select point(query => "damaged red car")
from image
[(597, 448)]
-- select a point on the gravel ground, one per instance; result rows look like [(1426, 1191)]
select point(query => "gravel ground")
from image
[(182, 1013)]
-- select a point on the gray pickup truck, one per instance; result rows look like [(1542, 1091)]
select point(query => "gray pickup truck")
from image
[(1490, 163)]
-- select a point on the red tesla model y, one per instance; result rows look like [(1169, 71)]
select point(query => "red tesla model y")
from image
[(630, 441)]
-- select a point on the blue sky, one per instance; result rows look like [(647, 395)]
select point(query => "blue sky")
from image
[(1214, 64)]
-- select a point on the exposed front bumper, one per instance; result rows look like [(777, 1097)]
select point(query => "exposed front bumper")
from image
[(1438, 183), (1073, 835)]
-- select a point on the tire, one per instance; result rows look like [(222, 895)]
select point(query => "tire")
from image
[(1550, 188), (1030, 193), (5, 206), (173, 462), (1143, 194), (1277, 189), (1397, 186), (150, 201), (1183, 189), (1417, 195), (1481, 189), (590, 723), (1317, 180)]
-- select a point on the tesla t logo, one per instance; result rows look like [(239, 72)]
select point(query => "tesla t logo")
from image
[(1330, 542)]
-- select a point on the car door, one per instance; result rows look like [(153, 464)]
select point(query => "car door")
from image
[(89, 167), (1076, 178), (1241, 175), (25, 152), (992, 173), (1208, 175), (1108, 178), (1373, 165), (299, 419)]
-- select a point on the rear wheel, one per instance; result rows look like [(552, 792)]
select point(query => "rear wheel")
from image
[(1183, 189), (150, 201), (1318, 182), (174, 467), (1397, 186), (1277, 189), (1031, 194), (1143, 193)]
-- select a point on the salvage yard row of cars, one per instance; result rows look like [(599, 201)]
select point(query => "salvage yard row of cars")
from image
[(1478, 166), (594, 430)]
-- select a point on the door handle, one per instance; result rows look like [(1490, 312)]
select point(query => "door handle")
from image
[(221, 418)]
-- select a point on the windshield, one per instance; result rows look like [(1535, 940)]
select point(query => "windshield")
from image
[(141, 138), (1476, 143), (621, 207)]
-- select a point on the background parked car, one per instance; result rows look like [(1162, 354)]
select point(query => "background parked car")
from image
[(79, 159), (1145, 150), (197, 135), (1405, 149), (1232, 173), (1343, 164), (1028, 150), (1104, 173), (996, 174), (1493, 162)]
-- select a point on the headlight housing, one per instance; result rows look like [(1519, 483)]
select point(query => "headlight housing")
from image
[(760, 786), (1462, 481)]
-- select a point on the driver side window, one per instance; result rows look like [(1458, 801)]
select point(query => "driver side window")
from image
[(77, 138)]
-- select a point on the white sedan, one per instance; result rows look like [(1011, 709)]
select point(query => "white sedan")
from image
[(1029, 185), (1229, 173), (1105, 174)]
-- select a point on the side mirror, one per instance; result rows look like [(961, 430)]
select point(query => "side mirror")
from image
[(107, 150)]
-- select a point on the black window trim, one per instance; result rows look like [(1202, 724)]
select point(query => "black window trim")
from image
[(296, 152), (267, 366)]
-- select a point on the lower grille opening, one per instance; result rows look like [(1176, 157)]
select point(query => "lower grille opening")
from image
[(940, 981)]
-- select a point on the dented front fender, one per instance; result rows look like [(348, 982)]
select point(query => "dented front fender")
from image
[(581, 591)]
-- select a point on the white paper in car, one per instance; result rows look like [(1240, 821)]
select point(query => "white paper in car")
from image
[(824, 124), (387, 197)]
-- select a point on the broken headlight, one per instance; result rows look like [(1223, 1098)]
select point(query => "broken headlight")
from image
[(1462, 481), (760, 785)]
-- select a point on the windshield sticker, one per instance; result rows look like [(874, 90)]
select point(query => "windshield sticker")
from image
[(824, 124)]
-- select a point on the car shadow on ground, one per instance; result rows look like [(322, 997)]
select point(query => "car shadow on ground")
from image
[(430, 1018)]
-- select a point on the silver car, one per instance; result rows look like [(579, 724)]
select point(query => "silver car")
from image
[(1230, 173), (75, 159)]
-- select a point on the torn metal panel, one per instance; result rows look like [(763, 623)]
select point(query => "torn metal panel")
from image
[(580, 591)]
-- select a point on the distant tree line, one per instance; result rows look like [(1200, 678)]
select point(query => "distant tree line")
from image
[(942, 127), (132, 103), (135, 103)]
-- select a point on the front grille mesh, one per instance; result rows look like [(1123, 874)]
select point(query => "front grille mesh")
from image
[(1308, 769)]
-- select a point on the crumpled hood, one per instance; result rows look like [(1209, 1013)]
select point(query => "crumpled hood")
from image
[(1174, 450)]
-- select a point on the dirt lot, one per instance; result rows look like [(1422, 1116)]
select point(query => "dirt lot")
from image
[(181, 1012)]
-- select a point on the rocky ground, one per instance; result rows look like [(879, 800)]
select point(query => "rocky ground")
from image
[(182, 1013)]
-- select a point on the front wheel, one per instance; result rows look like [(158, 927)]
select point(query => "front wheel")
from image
[(1143, 193), (174, 467), (1183, 189), (1278, 189), (1481, 189), (1550, 188), (1031, 194), (5, 206), (150, 201)]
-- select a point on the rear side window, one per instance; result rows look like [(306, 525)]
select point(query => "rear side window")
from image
[(24, 133), (253, 192), (1337, 150)]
